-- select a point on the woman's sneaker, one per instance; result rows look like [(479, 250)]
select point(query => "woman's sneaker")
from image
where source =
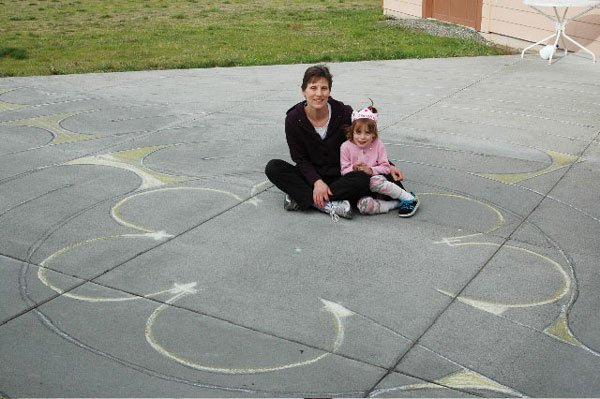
[(289, 204), (407, 208), (338, 209)]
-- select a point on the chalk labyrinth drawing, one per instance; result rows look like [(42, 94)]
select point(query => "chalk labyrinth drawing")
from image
[(153, 182)]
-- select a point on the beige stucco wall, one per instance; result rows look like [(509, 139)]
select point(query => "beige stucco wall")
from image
[(512, 18), (403, 8)]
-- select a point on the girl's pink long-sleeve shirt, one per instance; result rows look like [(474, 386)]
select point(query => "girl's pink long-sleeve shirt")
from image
[(373, 155)]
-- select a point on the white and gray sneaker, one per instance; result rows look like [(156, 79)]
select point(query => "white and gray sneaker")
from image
[(337, 209), (289, 204)]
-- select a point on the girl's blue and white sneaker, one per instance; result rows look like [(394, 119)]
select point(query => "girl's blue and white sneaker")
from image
[(407, 208)]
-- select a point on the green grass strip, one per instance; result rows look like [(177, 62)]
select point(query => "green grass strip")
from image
[(74, 36)]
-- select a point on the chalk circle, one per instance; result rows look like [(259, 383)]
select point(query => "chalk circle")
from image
[(189, 339), (459, 212), (90, 257), (220, 153), (516, 278), (171, 209)]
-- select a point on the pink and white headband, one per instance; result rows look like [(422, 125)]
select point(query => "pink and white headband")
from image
[(366, 113)]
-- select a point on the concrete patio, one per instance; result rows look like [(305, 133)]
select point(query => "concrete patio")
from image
[(143, 253)]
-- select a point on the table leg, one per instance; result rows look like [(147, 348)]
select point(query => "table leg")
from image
[(580, 46), (538, 43)]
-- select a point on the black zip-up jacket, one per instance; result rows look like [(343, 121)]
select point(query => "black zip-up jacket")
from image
[(315, 157)]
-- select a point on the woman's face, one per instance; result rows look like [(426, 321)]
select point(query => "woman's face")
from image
[(317, 93)]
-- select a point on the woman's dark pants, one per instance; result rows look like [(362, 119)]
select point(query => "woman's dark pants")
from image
[(288, 179)]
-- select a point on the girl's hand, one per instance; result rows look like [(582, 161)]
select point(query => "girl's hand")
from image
[(362, 167)]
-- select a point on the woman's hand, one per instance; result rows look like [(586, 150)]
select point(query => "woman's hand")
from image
[(321, 193), (396, 173)]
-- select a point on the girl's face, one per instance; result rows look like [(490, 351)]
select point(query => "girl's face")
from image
[(362, 136), (317, 93)]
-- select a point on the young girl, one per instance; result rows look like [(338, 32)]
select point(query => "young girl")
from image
[(363, 151)]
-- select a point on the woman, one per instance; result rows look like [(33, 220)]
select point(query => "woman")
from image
[(315, 129)]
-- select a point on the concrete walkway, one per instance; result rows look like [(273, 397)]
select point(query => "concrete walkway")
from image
[(143, 253)]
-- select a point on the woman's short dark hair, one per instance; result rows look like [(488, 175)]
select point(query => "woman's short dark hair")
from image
[(316, 72)]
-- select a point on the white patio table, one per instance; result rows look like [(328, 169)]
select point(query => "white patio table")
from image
[(561, 21)]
